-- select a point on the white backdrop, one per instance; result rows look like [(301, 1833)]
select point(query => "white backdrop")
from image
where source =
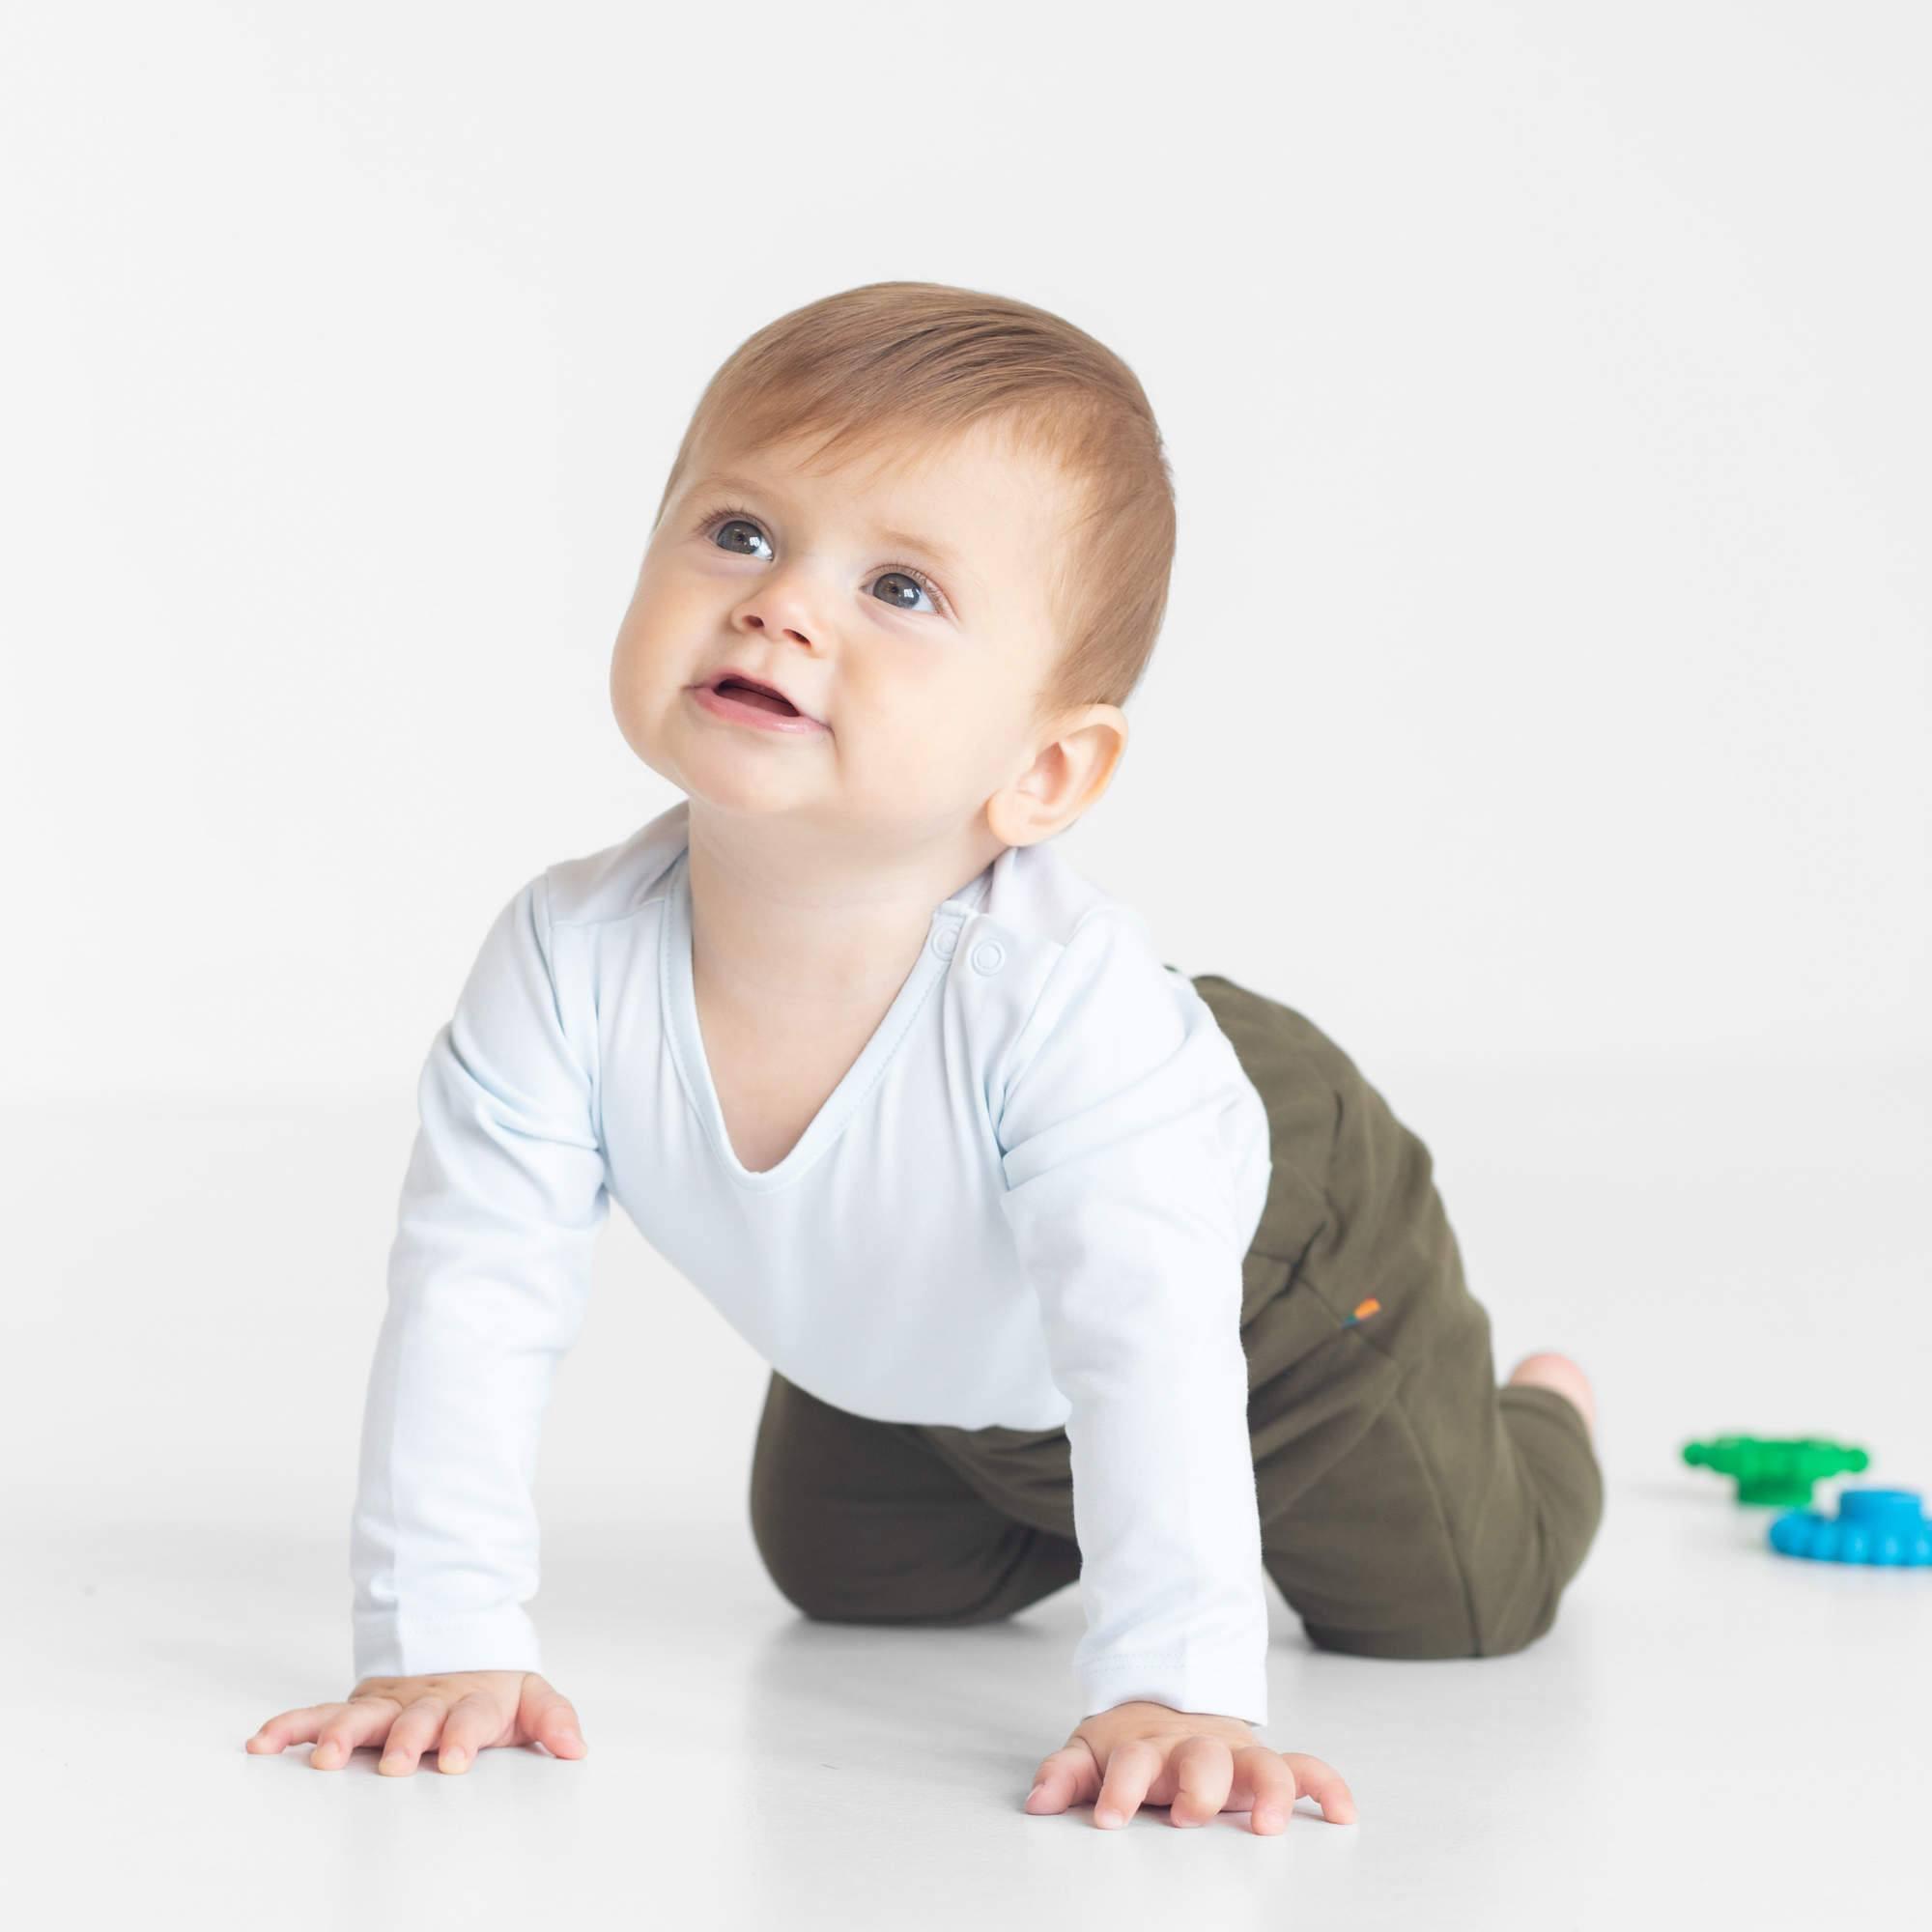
[(1542, 709), (1548, 660)]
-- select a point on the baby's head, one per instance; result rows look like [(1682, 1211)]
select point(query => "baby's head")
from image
[(941, 525)]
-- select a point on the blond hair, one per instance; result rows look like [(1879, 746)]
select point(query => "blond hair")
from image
[(892, 362)]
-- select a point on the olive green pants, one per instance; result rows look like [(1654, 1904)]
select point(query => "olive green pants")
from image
[(1408, 1506)]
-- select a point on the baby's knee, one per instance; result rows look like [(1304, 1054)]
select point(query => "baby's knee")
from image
[(1435, 1642), (1459, 1613), (1507, 1635), (828, 1580), (821, 1595)]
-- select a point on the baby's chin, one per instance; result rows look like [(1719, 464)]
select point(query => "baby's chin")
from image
[(886, 823)]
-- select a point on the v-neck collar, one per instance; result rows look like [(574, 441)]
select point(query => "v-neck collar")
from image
[(679, 1001)]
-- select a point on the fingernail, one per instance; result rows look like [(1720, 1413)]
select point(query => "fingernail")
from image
[(1106, 1817), (453, 1760)]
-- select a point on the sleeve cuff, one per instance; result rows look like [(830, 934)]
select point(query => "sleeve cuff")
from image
[(388, 1645), (1226, 1683)]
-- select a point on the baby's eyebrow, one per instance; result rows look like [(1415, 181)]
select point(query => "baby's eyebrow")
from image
[(943, 555)]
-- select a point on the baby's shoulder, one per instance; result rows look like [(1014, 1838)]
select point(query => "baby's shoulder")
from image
[(617, 880), (1084, 956), (1046, 902)]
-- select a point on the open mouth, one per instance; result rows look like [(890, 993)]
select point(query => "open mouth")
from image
[(747, 693)]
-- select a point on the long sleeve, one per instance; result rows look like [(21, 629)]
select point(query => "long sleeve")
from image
[(487, 1279), (1126, 1123)]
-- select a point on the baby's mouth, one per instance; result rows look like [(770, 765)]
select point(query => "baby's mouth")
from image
[(757, 693)]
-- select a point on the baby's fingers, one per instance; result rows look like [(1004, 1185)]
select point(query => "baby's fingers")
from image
[(1065, 1777), (1131, 1767), (411, 1735), (292, 1727), (547, 1716), (1263, 1777), (1323, 1783), (473, 1723), (362, 1722)]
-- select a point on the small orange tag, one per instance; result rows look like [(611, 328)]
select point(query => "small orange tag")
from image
[(1363, 1310)]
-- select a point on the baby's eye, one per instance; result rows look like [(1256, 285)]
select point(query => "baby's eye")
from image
[(740, 524), (917, 585), (913, 583)]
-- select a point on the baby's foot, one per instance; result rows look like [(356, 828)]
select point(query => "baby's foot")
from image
[(1561, 1373)]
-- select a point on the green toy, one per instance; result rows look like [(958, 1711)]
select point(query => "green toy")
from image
[(1774, 1470)]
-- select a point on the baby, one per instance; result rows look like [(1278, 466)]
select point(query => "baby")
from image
[(1069, 1268)]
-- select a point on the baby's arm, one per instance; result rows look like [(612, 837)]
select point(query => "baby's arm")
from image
[(488, 1278), (1136, 1152), (1132, 1143)]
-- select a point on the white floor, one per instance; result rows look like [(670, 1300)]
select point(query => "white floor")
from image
[(1712, 1732)]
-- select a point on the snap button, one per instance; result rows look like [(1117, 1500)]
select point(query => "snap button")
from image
[(989, 957), (945, 940)]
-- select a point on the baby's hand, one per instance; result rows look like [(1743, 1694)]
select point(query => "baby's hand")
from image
[(456, 1714), (1196, 1765)]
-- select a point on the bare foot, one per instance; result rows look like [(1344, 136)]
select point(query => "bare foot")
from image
[(1559, 1372)]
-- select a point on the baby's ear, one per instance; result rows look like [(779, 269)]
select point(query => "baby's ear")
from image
[(1067, 776)]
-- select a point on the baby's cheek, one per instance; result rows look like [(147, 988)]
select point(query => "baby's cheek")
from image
[(902, 777)]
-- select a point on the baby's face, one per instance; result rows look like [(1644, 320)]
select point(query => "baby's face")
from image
[(902, 607)]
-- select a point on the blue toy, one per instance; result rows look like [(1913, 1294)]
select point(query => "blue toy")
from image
[(1885, 1527)]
